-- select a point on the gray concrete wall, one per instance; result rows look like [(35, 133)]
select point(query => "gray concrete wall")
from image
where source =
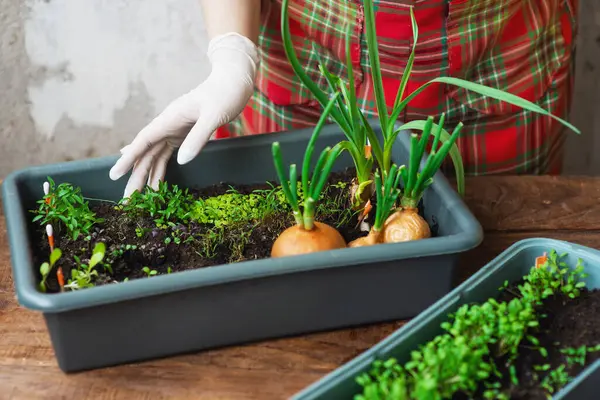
[(80, 78)]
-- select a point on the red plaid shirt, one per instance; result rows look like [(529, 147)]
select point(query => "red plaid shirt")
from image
[(521, 46)]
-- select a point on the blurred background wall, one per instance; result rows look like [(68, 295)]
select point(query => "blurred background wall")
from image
[(80, 78)]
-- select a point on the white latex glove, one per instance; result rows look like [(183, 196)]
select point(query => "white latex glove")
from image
[(189, 121)]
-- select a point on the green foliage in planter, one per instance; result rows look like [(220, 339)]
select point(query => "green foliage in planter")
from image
[(462, 357), (416, 179), (304, 205), (166, 205), (46, 267), (171, 205), (578, 355), (234, 207), (149, 272), (556, 379), (65, 208), (82, 276)]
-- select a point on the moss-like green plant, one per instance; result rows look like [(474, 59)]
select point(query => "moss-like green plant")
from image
[(233, 207), (65, 208)]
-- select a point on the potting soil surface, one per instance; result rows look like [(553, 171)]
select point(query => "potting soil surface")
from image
[(569, 323), (129, 251)]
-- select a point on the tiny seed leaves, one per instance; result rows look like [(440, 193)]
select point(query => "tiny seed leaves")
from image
[(45, 269)]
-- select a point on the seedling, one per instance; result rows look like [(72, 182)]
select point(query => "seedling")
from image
[(149, 272), (556, 379), (65, 207), (165, 205), (578, 355), (82, 276), (307, 235), (462, 357), (46, 267)]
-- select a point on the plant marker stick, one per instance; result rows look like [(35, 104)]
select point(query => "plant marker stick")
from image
[(539, 261), (61, 279), (50, 233), (47, 191), (364, 226)]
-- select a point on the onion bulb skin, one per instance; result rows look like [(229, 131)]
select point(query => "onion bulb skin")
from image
[(405, 225), (374, 237), (296, 240)]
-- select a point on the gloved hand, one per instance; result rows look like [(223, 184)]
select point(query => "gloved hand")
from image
[(189, 121)]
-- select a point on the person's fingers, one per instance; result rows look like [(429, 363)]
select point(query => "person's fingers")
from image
[(142, 143), (141, 170), (159, 167), (199, 135), (124, 149)]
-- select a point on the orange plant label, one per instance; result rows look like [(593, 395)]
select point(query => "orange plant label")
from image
[(539, 261), (60, 277)]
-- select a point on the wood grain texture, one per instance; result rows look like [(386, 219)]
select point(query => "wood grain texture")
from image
[(510, 209)]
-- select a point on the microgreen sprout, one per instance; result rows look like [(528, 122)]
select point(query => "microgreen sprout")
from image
[(46, 267), (166, 205), (578, 355), (463, 356), (556, 379), (82, 276), (149, 272), (311, 189), (65, 207)]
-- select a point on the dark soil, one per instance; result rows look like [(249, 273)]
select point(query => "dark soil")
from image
[(129, 253), (568, 323)]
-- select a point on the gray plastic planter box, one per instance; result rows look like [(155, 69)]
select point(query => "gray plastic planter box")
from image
[(511, 265), (236, 303)]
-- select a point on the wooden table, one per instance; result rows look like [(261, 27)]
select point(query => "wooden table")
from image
[(509, 208)]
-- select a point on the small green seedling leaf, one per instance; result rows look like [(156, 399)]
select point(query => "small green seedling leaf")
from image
[(54, 256), (98, 255), (45, 269)]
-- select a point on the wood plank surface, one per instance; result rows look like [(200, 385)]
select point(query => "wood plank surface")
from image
[(509, 208)]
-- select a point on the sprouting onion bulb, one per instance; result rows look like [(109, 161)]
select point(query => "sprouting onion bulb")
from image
[(387, 194), (406, 224), (308, 235), (297, 240)]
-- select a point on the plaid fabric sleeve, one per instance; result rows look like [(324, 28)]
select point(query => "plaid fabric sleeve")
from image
[(522, 46)]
